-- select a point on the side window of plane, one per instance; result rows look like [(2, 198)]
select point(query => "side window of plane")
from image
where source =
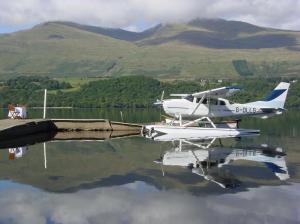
[(213, 101), (221, 102), (204, 101), (198, 100)]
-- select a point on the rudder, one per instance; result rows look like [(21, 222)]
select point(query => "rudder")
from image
[(278, 96)]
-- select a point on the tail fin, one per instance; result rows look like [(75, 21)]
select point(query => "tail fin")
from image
[(278, 96)]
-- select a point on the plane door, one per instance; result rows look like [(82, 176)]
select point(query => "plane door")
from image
[(218, 108), (202, 109)]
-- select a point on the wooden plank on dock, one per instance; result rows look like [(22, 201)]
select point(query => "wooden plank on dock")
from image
[(82, 124), (94, 125)]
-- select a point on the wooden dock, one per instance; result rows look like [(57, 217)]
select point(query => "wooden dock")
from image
[(13, 128)]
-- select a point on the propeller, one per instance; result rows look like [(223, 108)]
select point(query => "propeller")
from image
[(160, 102), (162, 96)]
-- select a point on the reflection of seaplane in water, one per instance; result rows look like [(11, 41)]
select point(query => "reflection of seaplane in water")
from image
[(207, 161), (202, 106)]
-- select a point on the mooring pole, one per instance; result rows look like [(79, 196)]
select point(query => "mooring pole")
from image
[(45, 104), (121, 113), (45, 156), (180, 120)]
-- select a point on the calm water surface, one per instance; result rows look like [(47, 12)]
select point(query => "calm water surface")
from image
[(137, 180)]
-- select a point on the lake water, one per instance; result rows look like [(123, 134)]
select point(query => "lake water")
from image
[(138, 180)]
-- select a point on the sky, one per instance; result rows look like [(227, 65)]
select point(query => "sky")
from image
[(137, 15)]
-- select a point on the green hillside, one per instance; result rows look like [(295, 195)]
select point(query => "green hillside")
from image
[(58, 50), (199, 49)]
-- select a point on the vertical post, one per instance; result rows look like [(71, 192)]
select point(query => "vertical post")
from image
[(180, 120), (45, 156), (180, 145), (45, 104), (121, 113)]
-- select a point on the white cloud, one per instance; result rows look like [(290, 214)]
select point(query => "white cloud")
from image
[(132, 28), (127, 13), (130, 204)]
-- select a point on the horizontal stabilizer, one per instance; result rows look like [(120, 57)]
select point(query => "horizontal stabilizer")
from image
[(272, 110)]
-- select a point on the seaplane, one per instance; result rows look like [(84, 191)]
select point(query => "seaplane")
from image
[(210, 104), (191, 110), (210, 162)]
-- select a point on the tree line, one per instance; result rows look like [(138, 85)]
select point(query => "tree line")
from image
[(128, 91)]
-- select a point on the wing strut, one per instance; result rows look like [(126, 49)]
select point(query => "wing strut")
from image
[(200, 119), (200, 102)]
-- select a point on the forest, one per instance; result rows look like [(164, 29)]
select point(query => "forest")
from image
[(128, 91)]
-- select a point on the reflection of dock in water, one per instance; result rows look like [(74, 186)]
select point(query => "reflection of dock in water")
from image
[(11, 128), (93, 135), (65, 136), (64, 166), (18, 147)]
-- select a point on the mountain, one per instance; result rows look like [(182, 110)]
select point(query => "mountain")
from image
[(202, 48), (114, 33), (222, 34), (224, 26)]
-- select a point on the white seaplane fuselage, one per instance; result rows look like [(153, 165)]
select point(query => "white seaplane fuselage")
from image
[(208, 104), (216, 108)]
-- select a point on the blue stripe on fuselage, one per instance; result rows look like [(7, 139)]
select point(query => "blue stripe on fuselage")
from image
[(275, 93), (275, 168), (233, 87)]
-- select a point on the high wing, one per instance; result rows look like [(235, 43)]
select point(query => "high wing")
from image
[(179, 95), (218, 92)]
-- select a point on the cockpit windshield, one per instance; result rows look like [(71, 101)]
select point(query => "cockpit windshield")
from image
[(189, 98)]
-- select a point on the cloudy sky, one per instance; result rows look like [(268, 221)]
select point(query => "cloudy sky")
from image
[(141, 14), (140, 203)]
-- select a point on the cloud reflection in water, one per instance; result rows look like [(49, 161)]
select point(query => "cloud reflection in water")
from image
[(141, 203)]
